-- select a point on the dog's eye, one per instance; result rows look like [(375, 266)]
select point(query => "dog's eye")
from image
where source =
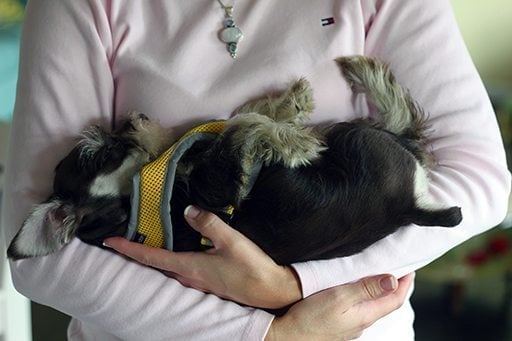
[(128, 126), (111, 157)]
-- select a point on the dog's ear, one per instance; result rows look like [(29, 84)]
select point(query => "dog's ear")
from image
[(49, 227)]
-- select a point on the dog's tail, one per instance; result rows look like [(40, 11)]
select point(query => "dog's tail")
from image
[(399, 112)]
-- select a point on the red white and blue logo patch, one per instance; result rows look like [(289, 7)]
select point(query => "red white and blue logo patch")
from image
[(327, 21)]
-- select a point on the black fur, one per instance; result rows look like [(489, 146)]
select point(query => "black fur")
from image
[(358, 192), (360, 189)]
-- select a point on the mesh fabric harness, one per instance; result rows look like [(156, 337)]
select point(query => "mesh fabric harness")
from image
[(150, 221)]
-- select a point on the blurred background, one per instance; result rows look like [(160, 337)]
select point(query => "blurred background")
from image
[(465, 295)]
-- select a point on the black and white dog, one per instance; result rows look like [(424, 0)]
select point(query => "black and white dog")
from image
[(321, 193)]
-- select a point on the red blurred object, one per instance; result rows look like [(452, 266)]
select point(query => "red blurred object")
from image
[(496, 247), (477, 257), (499, 245)]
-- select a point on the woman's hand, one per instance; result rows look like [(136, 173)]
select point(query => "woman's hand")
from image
[(235, 269), (342, 312), (238, 270)]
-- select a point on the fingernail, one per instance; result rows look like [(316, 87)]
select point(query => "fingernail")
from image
[(389, 283), (106, 245), (192, 211)]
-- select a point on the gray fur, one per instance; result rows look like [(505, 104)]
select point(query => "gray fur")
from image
[(399, 112)]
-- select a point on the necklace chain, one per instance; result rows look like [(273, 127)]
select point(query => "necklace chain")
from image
[(228, 9)]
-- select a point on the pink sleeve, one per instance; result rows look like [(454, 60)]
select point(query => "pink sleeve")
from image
[(65, 84), (421, 42)]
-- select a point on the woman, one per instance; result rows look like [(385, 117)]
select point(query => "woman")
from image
[(85, 62)]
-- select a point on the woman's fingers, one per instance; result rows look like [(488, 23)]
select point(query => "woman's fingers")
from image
[(154, 257), (369, 289), (342, 312), (206, 223), (210, 226), (368, 310)]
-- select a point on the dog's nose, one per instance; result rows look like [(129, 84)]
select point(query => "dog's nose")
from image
[(143, 117)]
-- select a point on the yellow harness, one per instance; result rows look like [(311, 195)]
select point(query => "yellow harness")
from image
[(150, 222)]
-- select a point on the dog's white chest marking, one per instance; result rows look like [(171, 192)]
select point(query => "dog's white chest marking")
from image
[(118, 182)]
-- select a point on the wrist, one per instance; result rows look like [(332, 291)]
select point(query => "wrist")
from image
[(291, 287), (278, 289), (283, 290)]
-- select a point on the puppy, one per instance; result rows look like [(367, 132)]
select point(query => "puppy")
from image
[(91, 187), (297, 192)]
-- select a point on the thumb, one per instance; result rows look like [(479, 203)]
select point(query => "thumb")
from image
[(372, 288), (210, 226)]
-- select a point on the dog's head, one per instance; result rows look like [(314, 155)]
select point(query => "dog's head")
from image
[(91, 188)]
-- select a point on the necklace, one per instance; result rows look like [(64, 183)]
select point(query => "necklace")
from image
[(231, 34)]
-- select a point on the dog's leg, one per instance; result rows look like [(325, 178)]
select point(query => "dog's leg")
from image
[(226, 171), (268, 131), (400, 113), (402, 116), (260, 138), (294, 105), (273, 131), (149, 134)]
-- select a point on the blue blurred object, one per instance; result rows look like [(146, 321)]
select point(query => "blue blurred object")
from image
[(11, 14), (9, 47)]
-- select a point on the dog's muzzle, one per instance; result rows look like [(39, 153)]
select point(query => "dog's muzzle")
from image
[(151, 224)]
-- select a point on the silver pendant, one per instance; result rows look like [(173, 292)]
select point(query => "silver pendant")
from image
[(231, 34)]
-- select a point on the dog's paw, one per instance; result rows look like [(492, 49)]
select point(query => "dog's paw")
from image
[(299, 148), (292, 105), (296, 103), (149, 134)]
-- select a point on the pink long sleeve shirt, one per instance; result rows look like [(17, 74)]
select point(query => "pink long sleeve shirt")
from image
[(91, 61)]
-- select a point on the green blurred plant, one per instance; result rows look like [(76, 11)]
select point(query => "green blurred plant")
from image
[(11, 12)]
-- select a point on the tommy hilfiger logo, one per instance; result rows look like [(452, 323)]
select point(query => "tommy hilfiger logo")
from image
[(327, 21)]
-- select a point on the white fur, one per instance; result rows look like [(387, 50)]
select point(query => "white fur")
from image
[(92, 141), (37, 237), (118, 182), (421, 192), (29, 240)]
